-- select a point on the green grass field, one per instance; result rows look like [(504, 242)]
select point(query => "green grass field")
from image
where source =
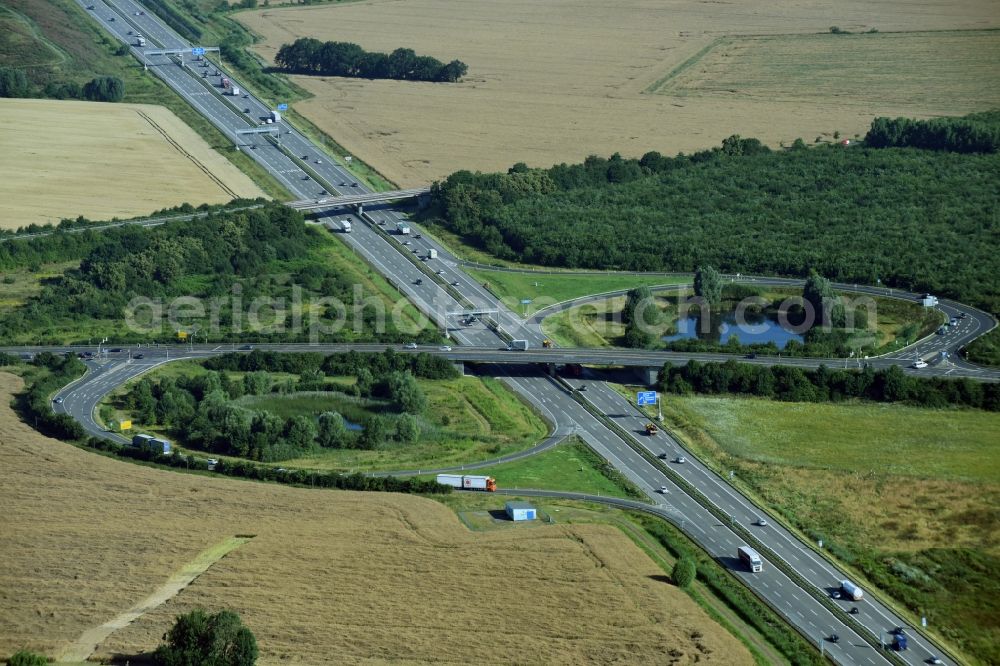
[(571, 466), (549, 288), (857, 438), (909, 498), (986, 350)]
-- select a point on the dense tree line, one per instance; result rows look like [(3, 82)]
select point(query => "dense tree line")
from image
[(311, 56), (976, 133), (914, 219), (14, 82), (823, 384), (35, 404), (200, 410), (228, 259)]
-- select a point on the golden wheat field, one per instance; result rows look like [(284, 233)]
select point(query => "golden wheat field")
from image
[(330, 577), (556, 81), (62, 159)]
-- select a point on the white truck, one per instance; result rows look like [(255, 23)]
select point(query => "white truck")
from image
[(851, 590), (234, 91), (432, 254), (467, 482), (403, 228), (518, 345), (346, 226), (140, 40), (275, 117)]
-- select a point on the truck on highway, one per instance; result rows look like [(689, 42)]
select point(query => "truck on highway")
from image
[(225, 82), (899, 641), (346, 226), (403, 228), (749, 557), (651, 428), (151, 444), (140, 40), (519, 345), (467, 482), (432, 254), (275, 116), (851, 590), (234, 91)]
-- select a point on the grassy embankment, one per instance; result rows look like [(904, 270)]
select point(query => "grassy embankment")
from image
[(986, 350), (906, 497)]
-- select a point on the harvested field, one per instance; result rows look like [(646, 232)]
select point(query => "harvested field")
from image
[(330, 577), (65, 158), (557, 81)]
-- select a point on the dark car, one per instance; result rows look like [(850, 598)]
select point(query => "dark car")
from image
[(246, 347), (834, 638), (751, 355), (115, 350), (139, 356)]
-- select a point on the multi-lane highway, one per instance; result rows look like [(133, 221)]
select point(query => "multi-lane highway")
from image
[(439, 286)]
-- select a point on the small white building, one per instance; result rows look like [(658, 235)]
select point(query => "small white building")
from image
[(520, 511)]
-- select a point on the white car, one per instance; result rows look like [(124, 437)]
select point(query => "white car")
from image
[(761, 522), (919, 364), (663, 490), (681, 460), (410, 345), (58, 401), (445, 348)]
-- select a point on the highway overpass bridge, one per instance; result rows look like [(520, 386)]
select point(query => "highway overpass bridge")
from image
[(348, 200)]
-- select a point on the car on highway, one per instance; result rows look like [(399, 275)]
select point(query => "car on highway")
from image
[(664, 455), (680, 460), (440, 272), (406, 242), (942, 331), (410, 345), (964, 315), (417, 236), (112, 18), (115, 350), (455, 283), (58, 401), (835, 594), (137, 356), (246, 110), (934, 659), (761, 522), (354, 184), (90, 6), (319, 161), (834, 638), (246, 347), (919, 364), (445, 348), (751, 355), (663, 490), (418, 281)]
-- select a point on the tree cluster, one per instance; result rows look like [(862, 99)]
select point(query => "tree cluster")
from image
[(35, 403), (15, 82), (639, 314), (914, 219), (200, 410), (976, 133), (200, 639), (311, 56), (823, 384)]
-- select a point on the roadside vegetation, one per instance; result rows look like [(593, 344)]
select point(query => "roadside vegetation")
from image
[(792, 384), (985, 350), (260, 274), (906, 496), (849, 213), (350, 411)]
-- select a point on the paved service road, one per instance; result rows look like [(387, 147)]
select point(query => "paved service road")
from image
[(297, 164)]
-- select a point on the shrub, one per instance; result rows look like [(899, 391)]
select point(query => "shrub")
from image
[(684, 572)]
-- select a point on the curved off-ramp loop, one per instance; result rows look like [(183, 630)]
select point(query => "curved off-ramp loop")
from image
[(83, 647)]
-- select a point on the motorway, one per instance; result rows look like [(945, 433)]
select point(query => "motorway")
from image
[(559, 403)]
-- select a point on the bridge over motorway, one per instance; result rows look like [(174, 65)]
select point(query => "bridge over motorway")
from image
[(346, 200)]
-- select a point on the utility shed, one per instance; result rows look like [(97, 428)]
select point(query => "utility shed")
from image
[(520, 511)]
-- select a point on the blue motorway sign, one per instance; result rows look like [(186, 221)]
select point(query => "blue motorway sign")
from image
[(198, 50), (282, 107), (646, 398)]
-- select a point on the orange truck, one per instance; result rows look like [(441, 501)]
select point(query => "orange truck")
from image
[(651, 429), (466, 482)]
